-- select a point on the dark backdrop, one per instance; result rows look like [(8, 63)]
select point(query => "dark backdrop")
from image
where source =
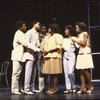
[(65, 12)]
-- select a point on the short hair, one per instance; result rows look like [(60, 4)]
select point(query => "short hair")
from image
[(34, 22), (55, 28), (19, 24), (71, 29), (82, 26)]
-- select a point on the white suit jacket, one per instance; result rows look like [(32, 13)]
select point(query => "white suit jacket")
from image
[(32, 37), (19, 43)]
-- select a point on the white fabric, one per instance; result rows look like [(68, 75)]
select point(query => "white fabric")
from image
[(15, 76), (32, 37)]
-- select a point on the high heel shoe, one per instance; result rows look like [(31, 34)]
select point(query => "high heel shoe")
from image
[(81, 91), (48, 91), (52, 92), (90, 91)]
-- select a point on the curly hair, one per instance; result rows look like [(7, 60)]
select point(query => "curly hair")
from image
[(55, 28), (82, 26), (71, 29)]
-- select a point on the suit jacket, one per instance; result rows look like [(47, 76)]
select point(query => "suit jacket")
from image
[(19, 43), (32, 37)]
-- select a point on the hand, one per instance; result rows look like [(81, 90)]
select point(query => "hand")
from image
[(76, 45), (41, 49), (45, 52), (38, 50)]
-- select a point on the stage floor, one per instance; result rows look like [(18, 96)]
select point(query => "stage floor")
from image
[(5, 94)]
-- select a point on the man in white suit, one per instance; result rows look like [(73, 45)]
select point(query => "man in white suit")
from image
[(19, 43), (32, 36)]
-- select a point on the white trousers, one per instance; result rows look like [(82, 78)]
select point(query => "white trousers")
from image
[(17, 68), (41, 83), (68, 65), (29, 83)]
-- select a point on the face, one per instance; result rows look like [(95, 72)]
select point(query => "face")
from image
[(77, 29), (67, 32), (49, 30), (23, 28), (37, 26), (43, 29)]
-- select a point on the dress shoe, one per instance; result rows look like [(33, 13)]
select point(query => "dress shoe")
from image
[(68, 91), (22, 91), (37, 91), (16, 93), (74, 90), (28, 92)]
